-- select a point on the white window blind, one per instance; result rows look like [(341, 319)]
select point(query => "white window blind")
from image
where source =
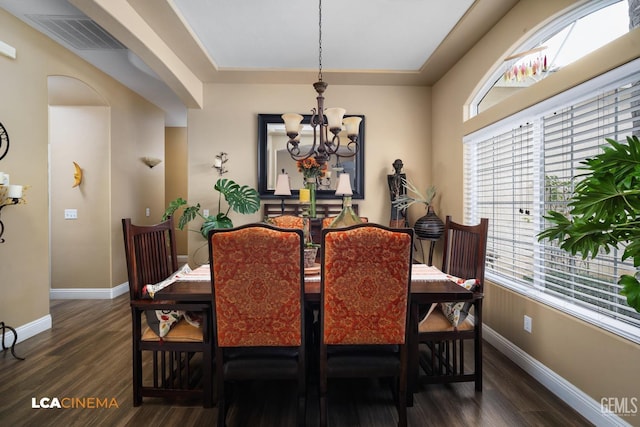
[(514, 177)]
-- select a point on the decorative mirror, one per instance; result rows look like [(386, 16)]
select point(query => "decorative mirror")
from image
[(273, 157)]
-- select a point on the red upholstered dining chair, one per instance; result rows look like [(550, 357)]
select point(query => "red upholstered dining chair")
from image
[(168, 341), (364, 307), (446, 326), (287, 221), (258, 298)]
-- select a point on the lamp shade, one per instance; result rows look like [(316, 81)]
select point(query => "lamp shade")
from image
[(334, 117), (352, 124), (344, 185), (282, 185), (292, 122)]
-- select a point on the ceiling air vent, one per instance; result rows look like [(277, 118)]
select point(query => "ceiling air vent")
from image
[(80, 32)]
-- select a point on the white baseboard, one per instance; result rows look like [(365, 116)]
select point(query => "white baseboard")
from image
[(89, 293), (570, 394), (29, 330)]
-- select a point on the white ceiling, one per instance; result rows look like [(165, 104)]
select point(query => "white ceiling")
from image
[(411, 42), (395, 35)]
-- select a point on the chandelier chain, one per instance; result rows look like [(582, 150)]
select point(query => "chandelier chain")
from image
[(320, 40)]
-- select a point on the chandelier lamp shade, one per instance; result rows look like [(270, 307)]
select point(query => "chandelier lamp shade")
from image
[(322, 122)]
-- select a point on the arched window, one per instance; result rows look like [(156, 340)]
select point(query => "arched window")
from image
[(558, 44), (526, 164)]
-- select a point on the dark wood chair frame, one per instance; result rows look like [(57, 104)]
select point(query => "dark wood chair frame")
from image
[(263, 363), (352, 360), (464, 256), (152, 257)]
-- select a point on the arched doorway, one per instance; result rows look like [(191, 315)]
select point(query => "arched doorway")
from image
[(79, 131)]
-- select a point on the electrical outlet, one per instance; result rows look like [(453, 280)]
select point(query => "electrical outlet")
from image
[(70, 214), (527, 323), (205, 212), (147, 212)]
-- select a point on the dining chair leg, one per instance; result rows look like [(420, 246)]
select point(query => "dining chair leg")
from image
[(222, 409), (302, 411), (323, 402)]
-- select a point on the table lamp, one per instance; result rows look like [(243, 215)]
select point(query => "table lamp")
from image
[(282, 188), (347, 216)]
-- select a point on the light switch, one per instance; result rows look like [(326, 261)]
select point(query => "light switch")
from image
[(147, 212), (70, 214)]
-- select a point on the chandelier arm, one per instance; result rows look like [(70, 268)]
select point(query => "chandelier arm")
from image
[(331, 147), (294, 151)]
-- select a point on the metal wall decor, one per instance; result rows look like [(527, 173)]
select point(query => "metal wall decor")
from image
[(4, 142)]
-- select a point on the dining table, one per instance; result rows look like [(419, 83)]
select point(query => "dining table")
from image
[(428, 285)]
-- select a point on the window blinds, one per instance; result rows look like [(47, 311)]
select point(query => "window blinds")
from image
[(514, 177)]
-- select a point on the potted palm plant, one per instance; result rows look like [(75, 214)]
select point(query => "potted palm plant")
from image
[(241, 199), (605, 211)]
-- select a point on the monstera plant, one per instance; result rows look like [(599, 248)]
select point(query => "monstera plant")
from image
[(605, 211), (242, 199)]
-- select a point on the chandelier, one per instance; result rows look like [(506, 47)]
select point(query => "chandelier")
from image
[(323, 145)]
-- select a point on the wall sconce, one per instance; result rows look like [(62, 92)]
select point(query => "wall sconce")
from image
[(219, 161), (7, 50), (151, 161), (9, 195), (283, 188)]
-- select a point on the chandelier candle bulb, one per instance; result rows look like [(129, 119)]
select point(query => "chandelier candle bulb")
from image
[(14, 192), (305, 195)]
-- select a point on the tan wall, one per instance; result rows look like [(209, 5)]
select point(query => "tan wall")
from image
[(176, 179), (597, 362), (397, 126), (136, 130)]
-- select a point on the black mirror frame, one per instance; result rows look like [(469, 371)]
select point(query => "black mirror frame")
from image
[(265, 119)]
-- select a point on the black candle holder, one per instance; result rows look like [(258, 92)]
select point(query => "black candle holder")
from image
[(14, 201)]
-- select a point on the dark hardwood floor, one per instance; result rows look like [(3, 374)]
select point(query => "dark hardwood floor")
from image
[(87, 354)]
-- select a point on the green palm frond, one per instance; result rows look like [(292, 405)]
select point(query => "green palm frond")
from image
[(406, 200), (604, 210), (241, 199)]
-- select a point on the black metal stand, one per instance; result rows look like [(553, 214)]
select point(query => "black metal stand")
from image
[(432, 246), (15, 202), (13, 344)]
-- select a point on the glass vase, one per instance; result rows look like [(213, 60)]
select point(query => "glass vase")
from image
[(347, 216), (310, 183)]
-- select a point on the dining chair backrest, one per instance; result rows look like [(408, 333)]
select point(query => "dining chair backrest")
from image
[(366, 276), (151, 254), (465, 248), (258, 285), (287, 221)]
